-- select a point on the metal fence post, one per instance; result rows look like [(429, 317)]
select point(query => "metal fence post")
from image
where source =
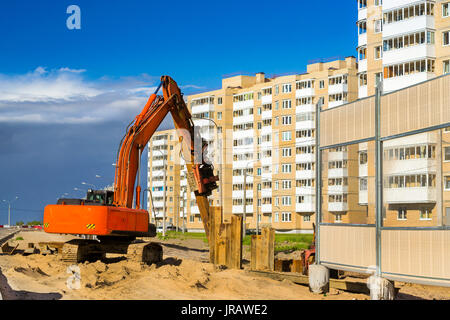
[(378, 177), (318, 155)]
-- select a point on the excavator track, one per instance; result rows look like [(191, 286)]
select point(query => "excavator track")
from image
[(76, 251), (145, 252)]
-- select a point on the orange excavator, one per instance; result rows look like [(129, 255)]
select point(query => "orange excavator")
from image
[(107, 221)]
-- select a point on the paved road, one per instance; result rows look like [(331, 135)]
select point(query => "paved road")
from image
[(5, 232)]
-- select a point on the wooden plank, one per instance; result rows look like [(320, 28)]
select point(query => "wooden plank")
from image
[(253, 252), (236, 236), (271, 249), (296, 266), (264, 258), (228, 245)]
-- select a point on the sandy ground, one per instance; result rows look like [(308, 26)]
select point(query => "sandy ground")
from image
[(184, 274)]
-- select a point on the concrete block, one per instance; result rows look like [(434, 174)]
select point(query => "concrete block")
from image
[(380, 288), (319, 279)]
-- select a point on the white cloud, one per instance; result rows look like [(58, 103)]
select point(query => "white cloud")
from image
[(66, 95)]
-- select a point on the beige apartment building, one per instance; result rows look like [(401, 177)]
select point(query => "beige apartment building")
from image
[(403, 43), (262, 130), (265, 128)]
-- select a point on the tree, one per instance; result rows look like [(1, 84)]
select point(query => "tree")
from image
[(20, 223)]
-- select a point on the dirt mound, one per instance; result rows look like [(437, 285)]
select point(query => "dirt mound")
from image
[(33, 272)]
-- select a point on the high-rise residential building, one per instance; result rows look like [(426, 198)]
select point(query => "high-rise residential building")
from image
[(402, 42), (265, 129), (261, 132)]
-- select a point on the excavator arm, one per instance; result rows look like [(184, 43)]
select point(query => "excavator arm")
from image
[(200, 173)]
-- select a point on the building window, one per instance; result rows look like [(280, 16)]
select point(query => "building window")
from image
[(219, 100), (287, 104), (285, 120), (363, 79), (447, 183), (378, 26), (338, 218), (378, 53), (446, 67), (401, 214), (363, 184), (191, 218), (287, 152), (219, 115), (321, 84), (425, 214), (286, 217), (378, 77), (277, 217), (447, 154), (445, 10), (286, 88), (286, 135), (307, 218), (446, 38), (286, 168), (378, 3)]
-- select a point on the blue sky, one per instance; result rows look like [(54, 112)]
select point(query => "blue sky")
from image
[(66, 96)]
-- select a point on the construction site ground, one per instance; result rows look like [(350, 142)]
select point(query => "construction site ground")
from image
[(184, 274)]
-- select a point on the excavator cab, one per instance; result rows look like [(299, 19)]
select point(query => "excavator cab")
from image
[(104, 197)]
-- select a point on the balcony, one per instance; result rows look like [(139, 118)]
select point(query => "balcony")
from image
[(409, 195), (307, 124), (307, 92), (362, 65), (240, 179), (411, 166), (266, 99), (304, 174), (337, 206), (305, 108), (337, 189), (337, 173), (338, 88), (243, 105), (337, 156), (266, 193), (335, 104), (240, 209), (266, 114), (157, 194), (401, 82), (305, 157), (305, 207), (195, 210), (239, 194), (362, 39), (266, 208), (305, 191), (159, 142), (362, 14), (416, 23), (409, 54), (266, 130), (202, 108), (363, 197), (362, 92), (243, 119), (363, 170)]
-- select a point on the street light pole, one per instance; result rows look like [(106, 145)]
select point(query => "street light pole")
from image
[(9, 209)]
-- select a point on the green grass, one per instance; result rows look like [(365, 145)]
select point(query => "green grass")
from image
[(182, 236), (283, 242), (19, 238)]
